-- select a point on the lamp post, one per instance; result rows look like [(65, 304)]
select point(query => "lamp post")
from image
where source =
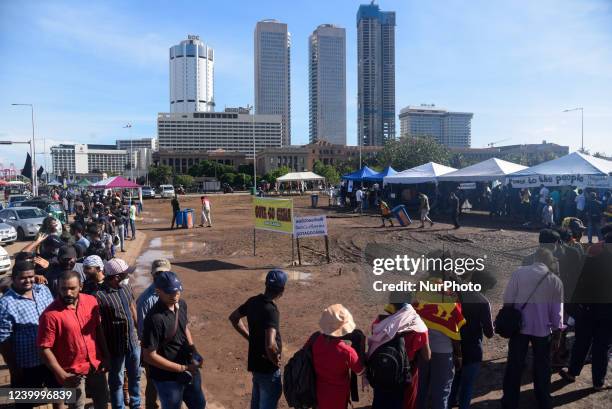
[(581, 109), (32, 152), (129, 126), (252, 108)]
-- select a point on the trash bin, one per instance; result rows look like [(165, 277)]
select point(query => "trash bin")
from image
[(180, 215), (314, 200), (187, 221), (401, 215)]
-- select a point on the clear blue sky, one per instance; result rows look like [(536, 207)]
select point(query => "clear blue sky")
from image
[(91, 67)]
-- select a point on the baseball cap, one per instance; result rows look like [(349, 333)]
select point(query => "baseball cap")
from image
[(276, 279), (66, 252), (160, 265), (116, 266), (168, 282)]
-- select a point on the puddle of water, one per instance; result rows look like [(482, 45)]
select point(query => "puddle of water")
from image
[(295, 276), (155, 243), (142, 274)]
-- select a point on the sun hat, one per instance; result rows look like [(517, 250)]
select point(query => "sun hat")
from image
[(336, 321)]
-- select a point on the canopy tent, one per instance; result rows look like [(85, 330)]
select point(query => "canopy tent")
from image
[(115, 182), (378, 177), (359, 175), (486, 171), (575, 169), (84, 183), (16, 182), (54, 183), (299, 177), (426, 173)]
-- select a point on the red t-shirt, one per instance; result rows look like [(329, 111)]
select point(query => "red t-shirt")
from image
[(332, 360), (71, 334)]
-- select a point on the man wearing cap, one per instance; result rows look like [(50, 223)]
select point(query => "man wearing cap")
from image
[(144, 303), (265, 344), (93, 268), (20, 310), (72, 343), (168, 347), (118, 314), (66, 261)]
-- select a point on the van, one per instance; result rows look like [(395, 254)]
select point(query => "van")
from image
[(166, 191)]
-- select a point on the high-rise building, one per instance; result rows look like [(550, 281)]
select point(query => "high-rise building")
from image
[(127, 144), (191, 76), (87, 158), (272, 73), (376, 75), (327, 84), (453, 129)]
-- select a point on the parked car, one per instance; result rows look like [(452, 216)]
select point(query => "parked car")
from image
[(166, 191), (8, 234), (5, 261), (148, 192), (51, 207), (26, 220), (16, 200)]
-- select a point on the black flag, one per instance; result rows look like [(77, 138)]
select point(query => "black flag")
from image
[(40, 171), (27, 168)]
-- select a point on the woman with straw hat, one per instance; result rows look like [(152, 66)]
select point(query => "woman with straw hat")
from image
[(333, 359)]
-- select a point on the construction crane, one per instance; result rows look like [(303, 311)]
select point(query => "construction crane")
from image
[(492, 144)]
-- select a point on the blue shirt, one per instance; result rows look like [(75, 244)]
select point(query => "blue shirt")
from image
[(19, 322), (83, 241), (144, 303)]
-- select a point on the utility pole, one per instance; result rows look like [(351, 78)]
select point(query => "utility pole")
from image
[(33, 153)]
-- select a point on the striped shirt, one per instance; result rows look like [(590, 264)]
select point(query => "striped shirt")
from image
[(19, 323), (117, 321)]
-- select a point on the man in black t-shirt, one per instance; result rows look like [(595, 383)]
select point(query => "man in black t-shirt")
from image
[(264, 338), (169, 349)]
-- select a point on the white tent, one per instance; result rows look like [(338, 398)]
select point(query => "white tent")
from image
[(427, 173), (488, 170), (575, 169), (299, 177)]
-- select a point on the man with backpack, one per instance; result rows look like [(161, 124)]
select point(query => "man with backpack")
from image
[(265, 345)]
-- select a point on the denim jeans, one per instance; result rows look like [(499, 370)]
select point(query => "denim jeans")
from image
[(121, 234), (133, 228), (172, 394), (267, 389), (130, 361), (435, 381), (463, 385), (593, 332), (517, 351)]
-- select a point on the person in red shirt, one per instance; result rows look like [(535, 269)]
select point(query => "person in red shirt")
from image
[(333, 359), (401, 319), (71, 342)]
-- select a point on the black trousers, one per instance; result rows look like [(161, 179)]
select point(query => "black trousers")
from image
[(595, 332), (455, 218), (517, 351), (35, 377)]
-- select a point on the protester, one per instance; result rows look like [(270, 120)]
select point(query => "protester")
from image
[(359, 199), (132, 216), (147, 299), (66, 261), (206, 216), (93, 268), (401, 321), (385, 213), (538, 295), (424, 210), (72, 343), (78, 231), (169, 349), (176, 208), (453, 202), (548, 214), (20, 310), (265, 344), (118, 313)]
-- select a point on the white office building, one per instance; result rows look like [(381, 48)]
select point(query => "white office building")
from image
[(88, 158), (137, 143), (272, 73), (191, 76), (327, 84), (453, 129), (232, 130)]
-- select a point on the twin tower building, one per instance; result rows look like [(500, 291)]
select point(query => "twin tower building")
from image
[(192, 71)]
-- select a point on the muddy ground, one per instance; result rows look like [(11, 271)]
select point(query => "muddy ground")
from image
[(219, 272)]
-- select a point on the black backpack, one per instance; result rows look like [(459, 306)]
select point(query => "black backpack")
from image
[(299, 382), (389, 367)]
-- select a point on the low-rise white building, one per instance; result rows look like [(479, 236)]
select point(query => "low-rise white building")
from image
[(88, 158)]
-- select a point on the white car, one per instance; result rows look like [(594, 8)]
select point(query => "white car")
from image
[(8, 234), (5, 261), (166, 191)]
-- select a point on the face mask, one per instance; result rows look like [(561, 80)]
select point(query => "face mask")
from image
[(124, 282)]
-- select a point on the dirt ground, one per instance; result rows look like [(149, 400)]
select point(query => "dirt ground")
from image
[(219, 272)]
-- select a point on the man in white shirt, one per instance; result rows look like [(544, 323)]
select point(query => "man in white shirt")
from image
[(206, 218), (359, 200), (580, 204)]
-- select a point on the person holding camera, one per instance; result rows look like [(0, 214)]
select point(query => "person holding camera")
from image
[(169, 350)]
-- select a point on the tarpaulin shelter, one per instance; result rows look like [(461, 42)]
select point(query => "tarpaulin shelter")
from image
[(485, 171), (426, 173), (378, 177)]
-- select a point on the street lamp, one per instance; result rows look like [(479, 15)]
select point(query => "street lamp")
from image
[(32, 152), (129, 126), (581, 109), (252, 108)]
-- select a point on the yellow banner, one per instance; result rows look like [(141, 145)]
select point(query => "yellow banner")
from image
[(273, 214)]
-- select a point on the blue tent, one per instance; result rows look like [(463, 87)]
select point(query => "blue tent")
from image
[(359, 175), (378, 177)]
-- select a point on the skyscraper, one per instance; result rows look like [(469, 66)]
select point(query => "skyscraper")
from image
[(272, 73), (191, 76), (376, 75), (327, 84)]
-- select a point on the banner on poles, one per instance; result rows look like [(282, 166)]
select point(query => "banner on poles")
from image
[(576, 180), (310, 226), (273, 214)]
